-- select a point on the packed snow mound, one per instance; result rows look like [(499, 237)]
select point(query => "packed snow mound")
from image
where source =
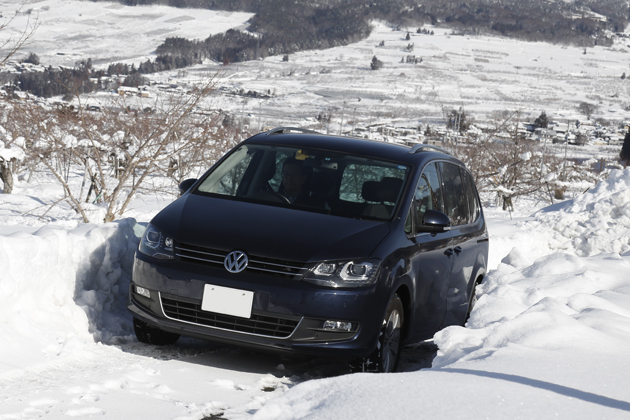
[(595, 222), (62, 288), (560, 302)]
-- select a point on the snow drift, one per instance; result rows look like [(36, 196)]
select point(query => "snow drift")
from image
[(60, 289), (596, 222)]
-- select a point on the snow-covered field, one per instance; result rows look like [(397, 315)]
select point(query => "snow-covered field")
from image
[(549, 336), (71, 31)]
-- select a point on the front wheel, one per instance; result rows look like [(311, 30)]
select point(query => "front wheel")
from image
[(387, 354), (472, 302), (148, 334), (390, 339)]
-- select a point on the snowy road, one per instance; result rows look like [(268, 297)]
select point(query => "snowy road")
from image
[(137, 381), (192, 379)]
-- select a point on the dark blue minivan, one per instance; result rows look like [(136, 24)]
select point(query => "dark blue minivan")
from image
[(301, 242)]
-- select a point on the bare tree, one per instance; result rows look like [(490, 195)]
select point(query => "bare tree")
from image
[(14, 44), (123, 148), (9, 158), (587, 109), (503, 161)]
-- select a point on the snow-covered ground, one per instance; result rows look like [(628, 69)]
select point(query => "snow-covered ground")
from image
[(71, 31), (547, 339)]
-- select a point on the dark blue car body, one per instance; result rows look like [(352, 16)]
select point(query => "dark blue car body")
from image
[(432, 273)]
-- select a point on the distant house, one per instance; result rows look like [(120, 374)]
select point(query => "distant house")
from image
[(615, 140), (125, 90), (542, 134), (528, 126)]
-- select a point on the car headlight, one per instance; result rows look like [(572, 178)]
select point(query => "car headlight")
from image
[(356, 273), (155, 244)]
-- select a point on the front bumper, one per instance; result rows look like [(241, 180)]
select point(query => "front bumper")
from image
[(287, 315)]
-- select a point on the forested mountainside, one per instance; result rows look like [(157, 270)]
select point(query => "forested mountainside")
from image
[(286, 26)]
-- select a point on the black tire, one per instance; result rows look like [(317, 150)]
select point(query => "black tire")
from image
[(387, 354), (148, 334), (472, 302), (390, 338)]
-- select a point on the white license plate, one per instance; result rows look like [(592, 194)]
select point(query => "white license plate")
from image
[(227, 301)]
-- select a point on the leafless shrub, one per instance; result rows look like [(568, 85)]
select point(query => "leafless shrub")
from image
[(503, 161), (14, 44), (120, 148)]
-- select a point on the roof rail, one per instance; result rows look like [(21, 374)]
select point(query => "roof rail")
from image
[(421, 147), (280, 130)]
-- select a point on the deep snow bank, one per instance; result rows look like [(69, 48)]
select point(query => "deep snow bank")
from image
[(60, 289), (595, 222), (560, 302)]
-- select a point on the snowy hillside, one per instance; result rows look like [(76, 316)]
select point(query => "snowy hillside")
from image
[(70, 31), (483, 75)]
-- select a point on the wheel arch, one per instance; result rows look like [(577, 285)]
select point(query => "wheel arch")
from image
[(479, 276), (404, 294)]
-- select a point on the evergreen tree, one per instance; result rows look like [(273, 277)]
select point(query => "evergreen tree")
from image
[(542, 121), (32, 58), (457, 121), (376, 63)]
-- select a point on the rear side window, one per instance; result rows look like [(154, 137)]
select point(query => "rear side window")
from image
[(455, 194), (473, 201)]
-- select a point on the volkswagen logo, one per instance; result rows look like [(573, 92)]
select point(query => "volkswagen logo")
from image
[(235, 261)]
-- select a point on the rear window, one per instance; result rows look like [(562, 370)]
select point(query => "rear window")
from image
[(311, 180)]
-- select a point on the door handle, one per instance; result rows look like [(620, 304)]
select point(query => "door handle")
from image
[(449, 252), (458, 249)]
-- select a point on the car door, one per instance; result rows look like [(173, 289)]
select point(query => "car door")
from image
[(462, 206), (429, 262)]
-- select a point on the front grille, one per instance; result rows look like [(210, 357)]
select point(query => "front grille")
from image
[(258, 324), (259, 265)]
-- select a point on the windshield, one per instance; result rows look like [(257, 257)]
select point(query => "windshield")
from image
[(312, 180)]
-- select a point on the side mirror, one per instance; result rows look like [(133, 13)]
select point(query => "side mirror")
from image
[(185, 185), (434, 221)]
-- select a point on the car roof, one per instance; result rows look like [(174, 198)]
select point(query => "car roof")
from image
[(352, 145)]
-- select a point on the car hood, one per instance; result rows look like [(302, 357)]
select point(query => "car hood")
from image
[(268, 231)]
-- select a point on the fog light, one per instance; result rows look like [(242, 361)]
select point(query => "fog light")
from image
[(337, 326), (143, 292)]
